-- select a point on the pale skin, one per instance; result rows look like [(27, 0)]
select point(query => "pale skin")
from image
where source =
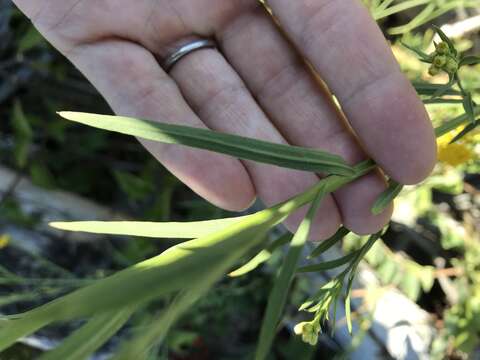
[(256, 84)]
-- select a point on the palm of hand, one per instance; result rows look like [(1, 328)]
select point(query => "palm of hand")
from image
[(257, 85)]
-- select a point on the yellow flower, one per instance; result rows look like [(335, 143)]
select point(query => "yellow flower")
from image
[(453, 154), (309, 332), (4, 241)]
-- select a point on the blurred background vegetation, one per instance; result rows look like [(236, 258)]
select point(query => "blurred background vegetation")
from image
[(431, 253)]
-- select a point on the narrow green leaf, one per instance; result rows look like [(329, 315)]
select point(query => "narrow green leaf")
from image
[(142, 343), (450, 125), (327, 244), (262, 257), (425, 57), (420, 19), (470, 127), (469, 60), (348, 312), (176, 230), (445, 38), (89, 338), (443, 89), (328, 265), (428, 89), (353, 270), (386, 198), (442, 101), (278, 295), (469, 107), (244, 148)]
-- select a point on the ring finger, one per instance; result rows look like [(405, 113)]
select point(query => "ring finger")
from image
[(220, 98)]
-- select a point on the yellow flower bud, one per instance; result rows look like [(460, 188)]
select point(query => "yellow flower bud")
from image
[(451, 66), (443, 48), (439, 61), (433, 70)]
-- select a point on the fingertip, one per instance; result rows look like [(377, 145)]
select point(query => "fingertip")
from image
[(396, 130)]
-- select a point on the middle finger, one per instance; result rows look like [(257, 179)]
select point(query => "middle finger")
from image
[(300, 107)]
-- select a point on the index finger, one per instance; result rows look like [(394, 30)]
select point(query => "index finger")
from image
[(350, 53)]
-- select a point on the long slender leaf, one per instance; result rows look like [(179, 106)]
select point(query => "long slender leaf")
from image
[(139, 347), (386, 198), (470, 127), (328, 265), (428, 89), (454, 123), (469, 107), (178, 230), (240, 147), (90, 337), (419, 52), (278, 295), (348, 312), (353, 270), (470, 60), (262, 257), (327, 244)]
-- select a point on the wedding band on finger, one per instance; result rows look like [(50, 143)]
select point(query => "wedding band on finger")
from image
[(186, 49)]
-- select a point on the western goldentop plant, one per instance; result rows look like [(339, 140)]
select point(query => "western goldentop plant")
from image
[(187, 271)]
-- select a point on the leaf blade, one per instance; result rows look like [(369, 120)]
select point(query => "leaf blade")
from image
[(240, 147), (172, 230), (387, 197), (277, 297), (327, 244)]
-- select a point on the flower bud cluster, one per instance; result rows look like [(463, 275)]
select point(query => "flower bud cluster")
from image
[(443, 59)]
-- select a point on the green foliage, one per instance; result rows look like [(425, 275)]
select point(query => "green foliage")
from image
[(278, 295), (184, 273)]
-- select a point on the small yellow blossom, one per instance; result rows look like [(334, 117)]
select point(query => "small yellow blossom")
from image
[(4, 241), (453, 154), (309, 332)]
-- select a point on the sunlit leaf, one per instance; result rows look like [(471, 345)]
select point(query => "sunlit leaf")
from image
[(262, 257), (348, 311), (173, 230)]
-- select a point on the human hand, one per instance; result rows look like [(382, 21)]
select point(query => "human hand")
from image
[(255, 85)]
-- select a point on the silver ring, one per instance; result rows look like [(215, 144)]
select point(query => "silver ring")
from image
[(185, 50)]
